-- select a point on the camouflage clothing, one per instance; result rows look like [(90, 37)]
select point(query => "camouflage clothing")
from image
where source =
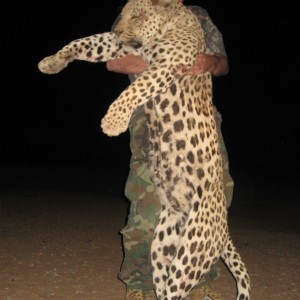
[(213, 37), (136, 270)]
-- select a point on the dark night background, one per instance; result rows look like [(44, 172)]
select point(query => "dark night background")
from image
[(62, 203), (53, 120)]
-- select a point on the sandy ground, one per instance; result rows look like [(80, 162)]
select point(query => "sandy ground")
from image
[(59, 236)]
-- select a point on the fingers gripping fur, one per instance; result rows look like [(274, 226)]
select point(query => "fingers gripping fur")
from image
[(238, 269), (94, 48)]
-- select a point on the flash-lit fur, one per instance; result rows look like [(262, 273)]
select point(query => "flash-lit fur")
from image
[(192, 231)]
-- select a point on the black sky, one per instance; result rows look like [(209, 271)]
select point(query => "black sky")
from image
[(55, 119)]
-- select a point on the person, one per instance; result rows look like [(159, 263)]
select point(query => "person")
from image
[(136, 270)]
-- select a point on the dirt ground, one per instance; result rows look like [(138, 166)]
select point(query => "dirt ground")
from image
[(59, 236)]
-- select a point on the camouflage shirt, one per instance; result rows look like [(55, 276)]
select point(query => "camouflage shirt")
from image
[(213, 37)]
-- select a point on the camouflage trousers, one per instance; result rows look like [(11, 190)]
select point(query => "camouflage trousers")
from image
[(136, 269)]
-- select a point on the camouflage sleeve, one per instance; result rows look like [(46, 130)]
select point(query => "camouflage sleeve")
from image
[(213, 37)]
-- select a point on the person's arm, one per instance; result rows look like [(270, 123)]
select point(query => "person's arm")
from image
[(216, 64), (214, 60), (130, 65)]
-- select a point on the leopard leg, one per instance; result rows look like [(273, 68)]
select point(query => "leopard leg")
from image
[(94, 48), (196, 254), (238, 269), (144, 88)]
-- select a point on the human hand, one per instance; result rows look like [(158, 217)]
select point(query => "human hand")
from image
[(215, 64), (130, 65)]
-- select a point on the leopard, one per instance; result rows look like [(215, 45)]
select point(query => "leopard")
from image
[(192, 232)]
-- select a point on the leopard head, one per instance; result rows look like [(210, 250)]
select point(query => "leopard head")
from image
[(139, 22)]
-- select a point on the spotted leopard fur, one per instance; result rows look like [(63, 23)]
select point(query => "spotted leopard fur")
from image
[(192, 232)]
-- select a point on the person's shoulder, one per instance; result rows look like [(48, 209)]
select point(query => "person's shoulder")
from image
[(198, 10)]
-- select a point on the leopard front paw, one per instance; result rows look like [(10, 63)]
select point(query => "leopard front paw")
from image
[(113, 126), (53, 64)]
